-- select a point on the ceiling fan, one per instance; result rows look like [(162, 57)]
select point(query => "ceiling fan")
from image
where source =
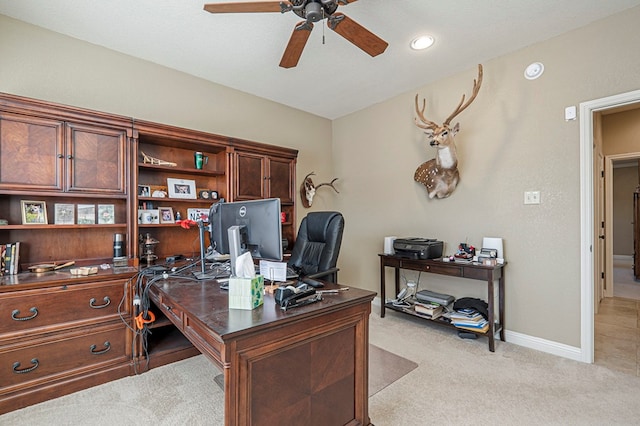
[(311, 11)]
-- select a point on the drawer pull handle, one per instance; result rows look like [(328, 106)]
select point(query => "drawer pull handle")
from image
[(16, 365), (106, 300), (16, 312), (107, 346)]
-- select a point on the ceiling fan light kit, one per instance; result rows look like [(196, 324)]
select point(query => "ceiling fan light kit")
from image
[(311, 11)]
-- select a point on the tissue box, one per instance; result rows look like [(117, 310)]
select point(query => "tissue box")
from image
[(246, 293)]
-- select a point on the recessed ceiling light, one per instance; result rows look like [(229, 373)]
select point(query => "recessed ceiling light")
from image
[(422, 42), (534, 71)]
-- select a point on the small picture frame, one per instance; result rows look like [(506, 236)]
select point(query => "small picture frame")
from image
[(86, 214), (214, 195), (195, 214), (144, 191), (106, 214), (182, 188), (166, 215), (34, 212), (148, 217), (65, 214)]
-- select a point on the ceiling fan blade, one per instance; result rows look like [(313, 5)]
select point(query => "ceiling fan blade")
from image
[(296, 44), (248, 7), (357, 34)]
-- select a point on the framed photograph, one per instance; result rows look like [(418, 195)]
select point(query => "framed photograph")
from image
[(65, 214), (86, 214), (166, 215), (182, 188), (106, 214), (34, 212), (148, 217), (195, 214), (214, 195), (144, 191)]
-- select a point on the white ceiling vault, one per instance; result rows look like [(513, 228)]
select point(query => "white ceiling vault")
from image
[(242, 51)]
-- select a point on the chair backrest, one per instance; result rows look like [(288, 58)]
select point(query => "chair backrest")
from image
[(318, 244)]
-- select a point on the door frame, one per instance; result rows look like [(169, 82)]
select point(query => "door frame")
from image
[(608, 224), (587, 207)]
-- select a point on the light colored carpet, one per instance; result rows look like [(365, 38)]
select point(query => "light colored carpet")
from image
[(456, 382)]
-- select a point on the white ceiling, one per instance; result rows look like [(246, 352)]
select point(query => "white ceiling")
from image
[(243, 51)]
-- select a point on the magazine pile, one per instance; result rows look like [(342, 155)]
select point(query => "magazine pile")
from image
[(469, 319)]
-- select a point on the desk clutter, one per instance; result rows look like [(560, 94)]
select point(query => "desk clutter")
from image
[(419, 248), (465, 313)]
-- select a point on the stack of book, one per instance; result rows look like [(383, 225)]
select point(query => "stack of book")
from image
[(9, 258), (428, 309), (469, 319)]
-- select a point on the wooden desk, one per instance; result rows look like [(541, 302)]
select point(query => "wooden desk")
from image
[(308, 365), (462, 270)]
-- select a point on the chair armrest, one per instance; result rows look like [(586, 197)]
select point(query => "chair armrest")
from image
[(325, 273)]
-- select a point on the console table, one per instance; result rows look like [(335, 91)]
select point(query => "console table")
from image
[(308, 365), (473, 271)]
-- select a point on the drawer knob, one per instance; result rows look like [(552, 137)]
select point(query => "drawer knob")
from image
[(16, 365), (106, 299), (15, 313), (107, 346)]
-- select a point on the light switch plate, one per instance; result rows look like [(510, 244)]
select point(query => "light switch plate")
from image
[(570, 113)]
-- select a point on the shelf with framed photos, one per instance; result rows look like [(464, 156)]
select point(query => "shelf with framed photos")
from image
[(167, 178), (75, 158)]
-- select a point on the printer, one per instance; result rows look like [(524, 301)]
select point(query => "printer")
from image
[(418, 248)]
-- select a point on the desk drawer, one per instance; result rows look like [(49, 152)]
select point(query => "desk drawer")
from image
[(444, 269), (28, 310), (171, 311), (62, 354)]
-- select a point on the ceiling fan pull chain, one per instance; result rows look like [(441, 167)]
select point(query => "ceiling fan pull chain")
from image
[(325, 24)]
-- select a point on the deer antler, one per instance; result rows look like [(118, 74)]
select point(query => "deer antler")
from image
[(461, 107), (428, 124), (329, 184)]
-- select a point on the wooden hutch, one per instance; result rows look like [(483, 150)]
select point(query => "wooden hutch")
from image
[(58, 333)]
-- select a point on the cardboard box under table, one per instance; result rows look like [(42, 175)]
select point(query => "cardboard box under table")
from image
[(246, 293)]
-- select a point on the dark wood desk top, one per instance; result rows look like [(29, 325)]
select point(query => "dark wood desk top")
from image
[(206, 302)]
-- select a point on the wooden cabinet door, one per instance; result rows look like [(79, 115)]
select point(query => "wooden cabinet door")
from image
[(31, 153), (250, 176), (95, 159), (280, 181)]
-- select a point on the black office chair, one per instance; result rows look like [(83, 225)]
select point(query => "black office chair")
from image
[(315, 253)]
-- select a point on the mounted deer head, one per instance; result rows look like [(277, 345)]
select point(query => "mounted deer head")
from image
[(440, 175), (308, 189)]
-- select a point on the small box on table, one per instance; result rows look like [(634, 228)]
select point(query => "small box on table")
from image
[(246, 293)]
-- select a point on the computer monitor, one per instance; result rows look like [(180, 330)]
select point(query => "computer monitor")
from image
[(261, 221)]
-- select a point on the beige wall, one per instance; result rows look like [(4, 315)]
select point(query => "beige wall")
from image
[(513, 139), (621, 135), (45, 65), (625, 181)]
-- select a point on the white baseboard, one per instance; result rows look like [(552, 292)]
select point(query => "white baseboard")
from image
[(623, 257), (536, 343), (543, 345)]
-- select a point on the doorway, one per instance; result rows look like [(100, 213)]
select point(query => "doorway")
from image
[(587, 209)]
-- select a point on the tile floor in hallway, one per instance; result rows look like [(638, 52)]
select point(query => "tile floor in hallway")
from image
[(617, 325)]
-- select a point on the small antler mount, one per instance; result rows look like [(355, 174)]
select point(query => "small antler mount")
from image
[(308, 189)]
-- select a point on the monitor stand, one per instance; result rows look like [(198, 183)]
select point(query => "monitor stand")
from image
[(203, 274)]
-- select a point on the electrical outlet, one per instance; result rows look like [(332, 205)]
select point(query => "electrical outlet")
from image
[(532, 197)]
